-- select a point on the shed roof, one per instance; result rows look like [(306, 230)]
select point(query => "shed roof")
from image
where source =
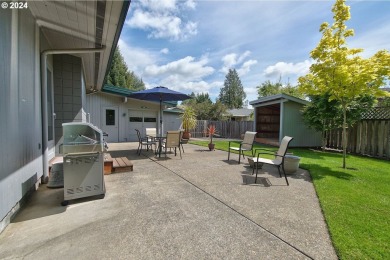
[(277, 99), (117, 90), (240, 112)]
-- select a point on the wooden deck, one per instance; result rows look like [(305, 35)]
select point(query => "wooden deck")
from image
[(120, 164)]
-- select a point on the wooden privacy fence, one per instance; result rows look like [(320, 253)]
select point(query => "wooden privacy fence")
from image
[(226, 129), (367, 137)]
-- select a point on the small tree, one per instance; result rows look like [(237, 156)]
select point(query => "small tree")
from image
[(322, 115), (339, 71), (232, 94)]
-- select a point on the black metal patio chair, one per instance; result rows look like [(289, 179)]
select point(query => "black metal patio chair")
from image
[(279, 157)]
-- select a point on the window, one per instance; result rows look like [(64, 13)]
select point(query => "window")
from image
[(150, 120), (110, 117), (135, 119)]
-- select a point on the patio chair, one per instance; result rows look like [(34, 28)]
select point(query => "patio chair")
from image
[(245, 145), (279, 157), (172, 141), (182, 141), (144, 142)]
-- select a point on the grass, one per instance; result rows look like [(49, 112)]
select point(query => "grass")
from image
[(355, 201)]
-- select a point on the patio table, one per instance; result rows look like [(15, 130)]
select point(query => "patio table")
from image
[(160, 139)]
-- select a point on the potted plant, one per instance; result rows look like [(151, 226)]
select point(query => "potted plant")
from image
[(189, 121), (211, 131)]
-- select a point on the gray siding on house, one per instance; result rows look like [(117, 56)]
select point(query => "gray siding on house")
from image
[(294, 126), (68, 87), (20, 108)]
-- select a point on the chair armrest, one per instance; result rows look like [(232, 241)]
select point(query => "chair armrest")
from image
[(258, 155), (264, 149)]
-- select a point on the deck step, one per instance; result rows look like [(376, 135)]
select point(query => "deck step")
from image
[(120, 164)]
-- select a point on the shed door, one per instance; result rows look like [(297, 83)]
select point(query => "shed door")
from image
[(110, 124)]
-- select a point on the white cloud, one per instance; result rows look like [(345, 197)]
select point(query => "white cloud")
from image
[(162, 19), (283, 68), (159, 5), (233, 60), (164, 51), (246, 67), (185, 69), (136, 58)]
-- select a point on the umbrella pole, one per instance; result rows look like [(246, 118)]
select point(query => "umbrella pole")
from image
[(161, 130)]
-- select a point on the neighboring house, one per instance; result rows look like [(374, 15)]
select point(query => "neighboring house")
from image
[(240, 114), (117, 115), (51, 54), (280, 115)]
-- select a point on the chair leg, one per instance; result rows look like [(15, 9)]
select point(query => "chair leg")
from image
[(239, 157), (279, 172), (257, 170), (229, 155), (180, 152), (182, 147), (285, 175)]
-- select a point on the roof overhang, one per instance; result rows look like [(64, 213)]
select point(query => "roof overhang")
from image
[(276, 99), (69, 25)]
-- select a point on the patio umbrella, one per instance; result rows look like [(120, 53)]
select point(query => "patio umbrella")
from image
[(160, 94)]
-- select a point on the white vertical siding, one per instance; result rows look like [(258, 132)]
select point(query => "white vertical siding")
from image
[(96, 102), (21, 155)]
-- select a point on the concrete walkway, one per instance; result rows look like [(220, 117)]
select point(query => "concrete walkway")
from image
[(198, 207)]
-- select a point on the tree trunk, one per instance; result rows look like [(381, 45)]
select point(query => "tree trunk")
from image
[(323, 140), (344, 135)]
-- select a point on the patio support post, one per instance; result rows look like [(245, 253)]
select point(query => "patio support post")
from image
[(45, 124)]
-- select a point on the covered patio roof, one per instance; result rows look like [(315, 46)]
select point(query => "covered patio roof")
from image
[(72, 25)]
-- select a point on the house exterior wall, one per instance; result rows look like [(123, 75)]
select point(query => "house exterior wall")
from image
[(294, 126), (68, 93), (20, 110), (172, 121), (97, 102)]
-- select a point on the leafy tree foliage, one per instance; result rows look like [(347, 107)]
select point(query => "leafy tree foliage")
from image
[(232, 94), (204, 108), (269, 88), (323, 114), (120, 76), (339, 71)]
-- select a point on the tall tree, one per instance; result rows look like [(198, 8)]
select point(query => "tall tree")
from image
[(339, 71), (232, 94), (269, 88), (120, 76)]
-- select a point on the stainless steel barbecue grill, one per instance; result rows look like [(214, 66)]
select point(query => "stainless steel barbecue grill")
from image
[(83, 161)]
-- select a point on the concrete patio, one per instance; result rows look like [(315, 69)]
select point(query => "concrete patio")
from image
[(198, 207)]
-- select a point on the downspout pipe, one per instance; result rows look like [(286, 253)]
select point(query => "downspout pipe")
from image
[(45, 133)]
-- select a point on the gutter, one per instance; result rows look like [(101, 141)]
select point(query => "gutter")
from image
[(45, 124)]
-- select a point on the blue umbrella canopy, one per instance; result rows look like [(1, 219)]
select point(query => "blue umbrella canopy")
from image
[(159, 94)]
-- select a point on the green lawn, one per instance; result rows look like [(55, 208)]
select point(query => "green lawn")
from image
[(355, 201)]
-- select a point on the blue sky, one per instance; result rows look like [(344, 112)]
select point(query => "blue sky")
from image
[(189, 45)]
